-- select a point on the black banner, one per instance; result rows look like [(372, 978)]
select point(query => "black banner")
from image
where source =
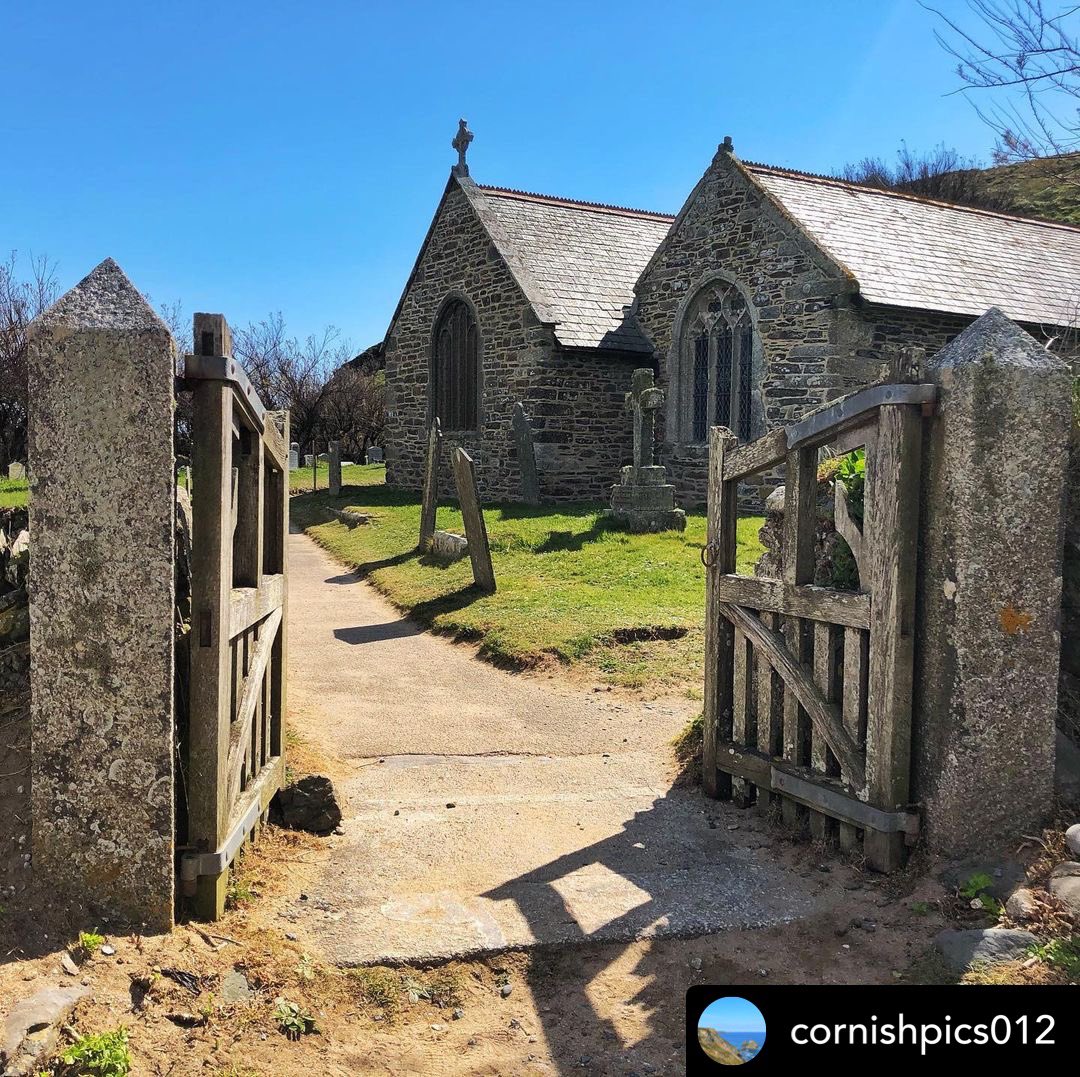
[(767, 1028)]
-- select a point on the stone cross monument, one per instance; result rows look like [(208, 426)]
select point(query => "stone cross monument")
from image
[(461, 143), (644, 500)]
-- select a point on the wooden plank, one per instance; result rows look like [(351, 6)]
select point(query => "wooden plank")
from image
[(824, 715), (250, 519), (475, 528), (848, 608), (763, 452), (795, 717), (742, 702), (822, 426), (824, 677), (430, 498), (828, 796), (280, 658), (854, 706), (249, 605), (770, 717), (800, 517), (277, 444), (894, 529), (719, 634), (211, 585), (848, 529), (252, 692), (857, 437)]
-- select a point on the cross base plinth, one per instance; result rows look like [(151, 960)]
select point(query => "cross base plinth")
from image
[(646, 506)]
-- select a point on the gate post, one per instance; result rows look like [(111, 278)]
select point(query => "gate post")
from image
[(989, 587), (102, 522)]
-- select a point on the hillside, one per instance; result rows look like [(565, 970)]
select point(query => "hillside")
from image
[(1047, 188)]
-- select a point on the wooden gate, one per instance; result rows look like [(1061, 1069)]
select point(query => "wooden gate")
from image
[(238, 612), (808, 689)]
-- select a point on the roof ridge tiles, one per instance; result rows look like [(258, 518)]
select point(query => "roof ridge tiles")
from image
[(574, 203)]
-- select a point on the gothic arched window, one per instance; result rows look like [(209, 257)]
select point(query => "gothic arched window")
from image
[(719, 375), (455, 367)]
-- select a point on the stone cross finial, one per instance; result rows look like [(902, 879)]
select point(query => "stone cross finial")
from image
[(461, 144), (644, 400)]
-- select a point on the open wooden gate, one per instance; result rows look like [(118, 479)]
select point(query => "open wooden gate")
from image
[(238, 612), (808, 689)]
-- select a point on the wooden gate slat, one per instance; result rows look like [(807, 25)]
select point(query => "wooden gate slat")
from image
[(824, 677), (854, 706), (253, 687), (741, 791), (770, 717), (824, 715)]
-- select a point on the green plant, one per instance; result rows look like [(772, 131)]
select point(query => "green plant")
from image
[(101, 1054), (851, 471), (1061, 953), (305, 968), (975, 891), (293, 1020), (90, 942), (920, 908)]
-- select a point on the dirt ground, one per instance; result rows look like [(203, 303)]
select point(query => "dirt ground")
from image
[(592, 1008)]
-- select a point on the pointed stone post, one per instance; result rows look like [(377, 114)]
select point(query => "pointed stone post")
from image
[(989, 587), (102, 525), (335, 468)]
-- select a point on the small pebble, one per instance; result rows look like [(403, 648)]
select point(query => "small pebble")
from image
[(108, 950), (451, 804), (458, 1014), (505, 990)]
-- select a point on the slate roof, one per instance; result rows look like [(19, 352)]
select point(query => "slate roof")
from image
[(577, 262), (912, 252)]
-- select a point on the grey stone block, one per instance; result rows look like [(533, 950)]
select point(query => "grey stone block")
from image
[(962, 949)]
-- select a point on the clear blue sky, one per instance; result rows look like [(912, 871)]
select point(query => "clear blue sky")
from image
[(732, 1014), (252, 157)]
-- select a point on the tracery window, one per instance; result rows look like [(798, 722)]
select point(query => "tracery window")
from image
[(455, 367), (718, 376)]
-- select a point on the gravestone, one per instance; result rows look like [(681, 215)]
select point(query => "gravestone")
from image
[(526, 454), (309, 460), (16, 471), (643, 500), (294, 456), (335, 468), (375, 454), (102, 649), (431, 486), (989, 587), (475, 528)]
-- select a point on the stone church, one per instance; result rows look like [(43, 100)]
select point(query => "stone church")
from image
[(770, 293)]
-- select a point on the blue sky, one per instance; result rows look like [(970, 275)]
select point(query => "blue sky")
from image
[(732, 1014), (255, 157)]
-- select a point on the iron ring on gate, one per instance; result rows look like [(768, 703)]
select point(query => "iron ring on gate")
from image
[(708, 554)]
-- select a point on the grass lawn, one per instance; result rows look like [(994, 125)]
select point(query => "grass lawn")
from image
[(628, 607), (13, 493), (356, 475)]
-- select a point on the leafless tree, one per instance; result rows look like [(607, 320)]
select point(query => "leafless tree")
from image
[(942, 174), (1021, 68), (24, 293), (355, 411)]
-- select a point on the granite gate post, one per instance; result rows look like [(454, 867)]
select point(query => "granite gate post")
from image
[(102, 521), (430, 498), (989, 587), (335, 468)]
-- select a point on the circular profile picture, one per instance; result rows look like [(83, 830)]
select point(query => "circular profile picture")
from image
[(731, 1031)]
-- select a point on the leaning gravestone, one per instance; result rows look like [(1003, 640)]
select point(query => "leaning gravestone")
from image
[(335, 468), (294, 456), (526, 455), (16, 471), (375, 455), (644, 500), (431, 486), (475, 528)]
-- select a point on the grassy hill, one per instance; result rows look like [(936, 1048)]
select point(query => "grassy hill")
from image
[(1047, 188)]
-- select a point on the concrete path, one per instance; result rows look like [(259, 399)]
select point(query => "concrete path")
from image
[(485, 809)]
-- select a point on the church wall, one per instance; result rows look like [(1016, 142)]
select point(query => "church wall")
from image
[(574, 400), (818, 340)]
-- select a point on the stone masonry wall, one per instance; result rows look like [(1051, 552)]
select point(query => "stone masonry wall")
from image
[(819, 341), (574, 400)]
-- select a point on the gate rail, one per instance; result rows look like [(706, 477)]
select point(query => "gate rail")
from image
[(808, 689), (238, 602)]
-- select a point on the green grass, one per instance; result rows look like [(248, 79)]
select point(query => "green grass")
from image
[(356, 475), (570, 585), (14, 493)]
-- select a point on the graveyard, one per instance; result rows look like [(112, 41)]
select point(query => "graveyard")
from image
[(473, 614)]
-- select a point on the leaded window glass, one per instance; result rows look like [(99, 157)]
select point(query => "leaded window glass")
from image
[(456, 367)]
